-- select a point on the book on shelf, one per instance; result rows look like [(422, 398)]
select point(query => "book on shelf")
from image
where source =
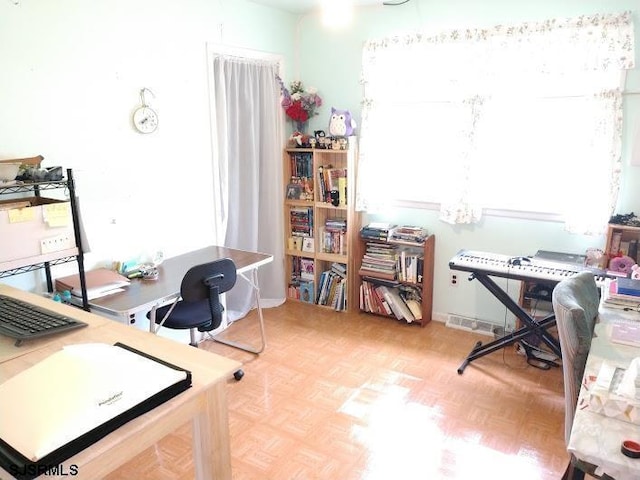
[(376, 297), (381, 281), (376, 231), (333, 176), (628, 286), (322, 185), (342, 191), (301, 221), (333, 236), (408, 233), (301, 164), (613, 298), (410, 266), (377, 273), (332, 290), (307, 268), (416, 309), (306, 292), (339, 269)]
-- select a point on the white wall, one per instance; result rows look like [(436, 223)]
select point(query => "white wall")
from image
[(71, 75)]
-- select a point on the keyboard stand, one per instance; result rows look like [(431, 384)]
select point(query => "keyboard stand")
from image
[(530, 325)]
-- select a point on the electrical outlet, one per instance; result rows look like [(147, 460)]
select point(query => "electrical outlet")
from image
[(453, 280), (55, 244)]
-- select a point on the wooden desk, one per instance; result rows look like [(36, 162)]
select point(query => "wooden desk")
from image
[(147, 296), (596, 438), (204, 404)]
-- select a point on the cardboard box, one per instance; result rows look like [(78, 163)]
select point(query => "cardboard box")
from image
[(37, 233)]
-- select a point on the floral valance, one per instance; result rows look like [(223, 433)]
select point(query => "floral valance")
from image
[(589, 42)]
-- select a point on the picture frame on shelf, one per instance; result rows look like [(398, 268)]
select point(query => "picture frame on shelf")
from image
[(308, 245), (294, 191)]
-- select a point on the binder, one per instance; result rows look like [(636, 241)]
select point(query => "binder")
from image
[(38, 427), (99, 282)]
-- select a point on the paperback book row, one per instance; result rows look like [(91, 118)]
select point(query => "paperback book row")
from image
[(332, 185), (301, 221), (404, 302), (301, 165), (392, 262), (333, 236), (332, 287), (389, 232)]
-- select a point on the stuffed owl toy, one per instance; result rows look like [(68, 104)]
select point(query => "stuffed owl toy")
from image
[(341, 123)]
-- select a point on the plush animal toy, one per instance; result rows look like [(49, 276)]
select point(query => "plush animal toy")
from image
[(621, 264), (341, 123)]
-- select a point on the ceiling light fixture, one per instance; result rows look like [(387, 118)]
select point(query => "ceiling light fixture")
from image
[(337, 13)]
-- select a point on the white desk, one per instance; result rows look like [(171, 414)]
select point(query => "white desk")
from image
[(204, 404), (146, 295), (596, 438)]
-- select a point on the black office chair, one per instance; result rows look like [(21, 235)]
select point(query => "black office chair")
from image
[(198, 307)]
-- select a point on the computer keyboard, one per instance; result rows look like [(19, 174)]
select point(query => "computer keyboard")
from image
[(24, 321)]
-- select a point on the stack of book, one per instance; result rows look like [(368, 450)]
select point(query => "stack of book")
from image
[(376, 231), (379, 261), (332, 287), (621, 293), (301, 219), (401, 302), (408, 233), (333, 236)]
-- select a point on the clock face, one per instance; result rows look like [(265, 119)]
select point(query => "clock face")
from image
[(145, 119)]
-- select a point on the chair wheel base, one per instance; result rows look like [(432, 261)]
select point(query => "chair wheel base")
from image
[(238, 374)]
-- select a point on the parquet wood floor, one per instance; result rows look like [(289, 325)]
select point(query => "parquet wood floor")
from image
[(360, 397)]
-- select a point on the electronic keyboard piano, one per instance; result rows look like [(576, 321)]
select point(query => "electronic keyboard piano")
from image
[(520, 268), (483, 265)]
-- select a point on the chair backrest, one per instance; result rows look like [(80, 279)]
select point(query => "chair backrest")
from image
[(575, 305), (206, 282)]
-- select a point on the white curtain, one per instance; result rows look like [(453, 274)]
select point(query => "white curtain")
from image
[(484, 118), (247, 166)]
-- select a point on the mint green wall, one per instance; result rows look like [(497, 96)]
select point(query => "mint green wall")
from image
[(331, 62), (72, 71), (71, 75)]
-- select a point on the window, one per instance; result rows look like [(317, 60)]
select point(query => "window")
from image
[(525, 118)]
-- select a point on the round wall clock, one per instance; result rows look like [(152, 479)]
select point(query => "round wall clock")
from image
[(145, 118)]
